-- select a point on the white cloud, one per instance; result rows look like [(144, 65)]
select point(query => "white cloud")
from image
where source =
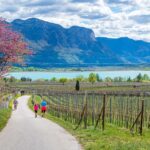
[(111, 18)]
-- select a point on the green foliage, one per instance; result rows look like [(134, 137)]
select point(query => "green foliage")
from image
[(19, 69), (4, 116), (12, 79), (77, 85), (80, 78), (118, 79), (108, 79), (129, 79), (139, 77), (98, 78), (6, 80), (63, 80), (146, 77), (92, 78), (24, 79), (54, 79)]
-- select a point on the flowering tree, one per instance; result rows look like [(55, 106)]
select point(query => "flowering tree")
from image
[(12, 47)]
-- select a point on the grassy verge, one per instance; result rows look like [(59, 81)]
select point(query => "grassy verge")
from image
[(5, 114), (113, 138)]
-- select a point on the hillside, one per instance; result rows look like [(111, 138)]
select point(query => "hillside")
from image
[(55, 46)]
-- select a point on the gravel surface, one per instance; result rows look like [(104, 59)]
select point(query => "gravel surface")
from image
[(25, 132)]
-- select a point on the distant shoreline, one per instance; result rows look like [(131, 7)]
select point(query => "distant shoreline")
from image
[(114, 68)]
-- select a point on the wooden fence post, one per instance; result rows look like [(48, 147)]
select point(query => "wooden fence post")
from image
[(85, 114), (93, 109), (127, 115), (140, 115), (103, 115), (110, 110), (141, 122)]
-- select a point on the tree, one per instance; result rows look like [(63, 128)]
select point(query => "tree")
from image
[(54, 79), (12, 79), (6, 80), (28, 79), (23, 79), (77, 85), (139, 77), (97, 77), (146, 77), (63, 80), (80, 78), (129, 79), (92, 78), (12, 47), (118, 79), (108, 79)]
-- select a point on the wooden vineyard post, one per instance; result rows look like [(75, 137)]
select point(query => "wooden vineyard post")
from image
[(110, 110), (93, 109), (131, 111), (122, 112), (85, 114), (141, 122), (137, 112), (103, 115), (140, 115), (84, 111), (127, 115), (76, 107)]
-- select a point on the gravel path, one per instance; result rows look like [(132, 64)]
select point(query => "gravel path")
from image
[(24, 132)]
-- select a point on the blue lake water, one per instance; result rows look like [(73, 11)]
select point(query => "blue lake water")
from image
[(102, 74)]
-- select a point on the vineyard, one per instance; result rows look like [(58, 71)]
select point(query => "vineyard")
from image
[(124, 105), (97, 113), (3, 97), (6, 98), (93, 109)]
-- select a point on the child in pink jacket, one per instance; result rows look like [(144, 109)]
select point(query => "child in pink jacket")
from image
[(36, 108)]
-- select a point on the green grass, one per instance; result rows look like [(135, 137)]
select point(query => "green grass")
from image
[(5, 114), (113, 138)]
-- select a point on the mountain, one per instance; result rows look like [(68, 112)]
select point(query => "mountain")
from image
[(129, 50), (55, 46)]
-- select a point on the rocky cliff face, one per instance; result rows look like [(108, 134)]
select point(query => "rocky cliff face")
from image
[(56, 46)]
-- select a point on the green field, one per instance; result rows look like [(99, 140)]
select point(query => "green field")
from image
[(122, 107), (5, 112), (4, 116), (112, 138)]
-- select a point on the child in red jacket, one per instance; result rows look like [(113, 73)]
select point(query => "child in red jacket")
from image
[(36, 108)]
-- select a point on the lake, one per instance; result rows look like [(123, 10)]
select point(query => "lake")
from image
[(103, 74)]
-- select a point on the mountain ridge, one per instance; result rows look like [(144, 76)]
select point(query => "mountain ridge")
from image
[(57, 46)]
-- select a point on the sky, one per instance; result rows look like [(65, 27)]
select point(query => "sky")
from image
[(107, 18)]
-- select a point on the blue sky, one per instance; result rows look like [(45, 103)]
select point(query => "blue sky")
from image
[(109, 18)]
